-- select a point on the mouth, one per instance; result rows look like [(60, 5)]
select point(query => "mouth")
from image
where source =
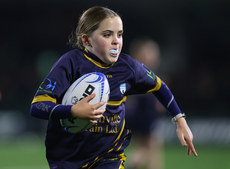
[(114, 52)]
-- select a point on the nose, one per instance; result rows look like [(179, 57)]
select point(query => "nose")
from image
[(115, 40)]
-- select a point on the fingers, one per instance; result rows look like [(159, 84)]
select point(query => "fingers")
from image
[(94, 121), (92, 112), (192, 149), (194, 152), (98, 105), (187, 141), (97, 114), (90, 97)]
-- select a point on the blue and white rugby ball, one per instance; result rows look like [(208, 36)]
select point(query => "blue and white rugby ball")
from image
[(87, 84)]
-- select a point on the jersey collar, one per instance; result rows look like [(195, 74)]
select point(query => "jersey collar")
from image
[(94, 59)]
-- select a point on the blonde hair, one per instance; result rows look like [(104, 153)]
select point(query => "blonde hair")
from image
[(88, 23)]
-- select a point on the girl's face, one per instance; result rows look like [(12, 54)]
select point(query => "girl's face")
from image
[(106, 41)]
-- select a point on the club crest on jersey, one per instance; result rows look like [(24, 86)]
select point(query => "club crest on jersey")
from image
[(123, 88), (149, 72)]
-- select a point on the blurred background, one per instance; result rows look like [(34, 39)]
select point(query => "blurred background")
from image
[(193, 36)]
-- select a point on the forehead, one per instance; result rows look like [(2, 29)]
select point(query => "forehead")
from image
[(111, 23)]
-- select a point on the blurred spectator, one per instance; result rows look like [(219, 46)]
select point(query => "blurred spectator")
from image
[(142, 112)]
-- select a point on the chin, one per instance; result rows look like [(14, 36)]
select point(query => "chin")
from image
[(113, 60)]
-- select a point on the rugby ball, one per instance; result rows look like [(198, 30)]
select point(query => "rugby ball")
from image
[(87, 84)]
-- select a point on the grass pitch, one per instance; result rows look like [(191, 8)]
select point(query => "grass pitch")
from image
[(30, 154)]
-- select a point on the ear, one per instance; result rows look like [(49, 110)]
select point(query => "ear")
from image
[(85, 40)]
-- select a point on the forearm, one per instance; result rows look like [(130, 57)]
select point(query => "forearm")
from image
[(184, 133), (165, 96), (49, 110)]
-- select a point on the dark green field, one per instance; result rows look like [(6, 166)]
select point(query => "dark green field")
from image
[(30, 154)]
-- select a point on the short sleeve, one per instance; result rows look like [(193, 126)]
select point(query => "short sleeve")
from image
[(145, 80), (57, 81)]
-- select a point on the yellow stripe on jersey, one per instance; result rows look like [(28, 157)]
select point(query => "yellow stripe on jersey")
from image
[(118, 137), (44, 97), (123, 159), (157, 87), (117, 103), (101, 65), (86, 165), (122, 129), (95, 161)]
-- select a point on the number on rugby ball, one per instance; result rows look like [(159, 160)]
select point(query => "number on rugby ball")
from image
[(87, 84)]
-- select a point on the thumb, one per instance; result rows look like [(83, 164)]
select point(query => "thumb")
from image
[(181, 138), (183, 142)]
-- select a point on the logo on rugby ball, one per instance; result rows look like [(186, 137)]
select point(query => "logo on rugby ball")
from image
[(84, 86)]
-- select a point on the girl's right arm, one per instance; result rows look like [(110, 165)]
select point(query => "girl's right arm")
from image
[(50, 110)]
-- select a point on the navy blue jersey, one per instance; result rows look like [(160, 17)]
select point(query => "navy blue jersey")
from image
[(110, 135)]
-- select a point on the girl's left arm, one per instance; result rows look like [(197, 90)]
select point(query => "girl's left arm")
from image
[(184, 133)]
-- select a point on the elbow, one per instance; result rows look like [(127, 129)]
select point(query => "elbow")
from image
[(39, 110), (33, 110)]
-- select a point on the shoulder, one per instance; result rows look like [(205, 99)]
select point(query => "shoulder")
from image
[(72, 54), (68, 60), (129, 61), (70, 57)]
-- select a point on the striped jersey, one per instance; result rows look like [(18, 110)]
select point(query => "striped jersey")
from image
[(110, 135)]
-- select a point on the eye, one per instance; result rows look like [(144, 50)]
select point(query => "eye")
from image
[(120, 35), (107, 35)]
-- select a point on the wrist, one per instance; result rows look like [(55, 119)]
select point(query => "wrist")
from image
[(177, 117)]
